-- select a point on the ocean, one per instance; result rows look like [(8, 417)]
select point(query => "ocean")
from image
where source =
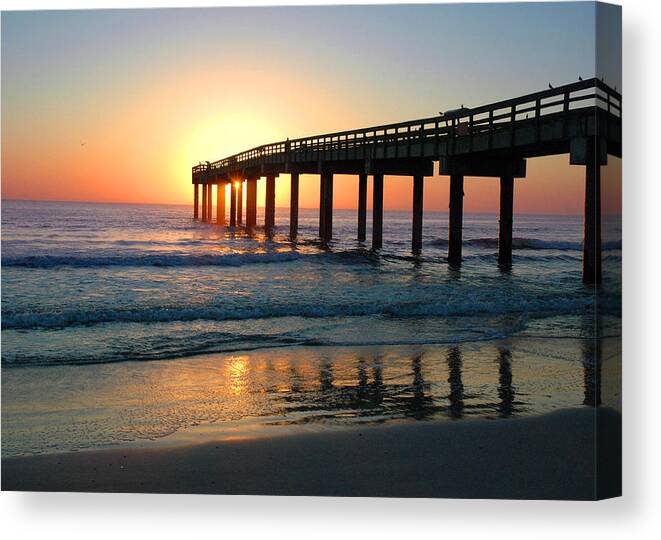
[(134, 324)]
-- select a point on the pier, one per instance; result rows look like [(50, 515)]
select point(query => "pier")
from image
[(582, 119)]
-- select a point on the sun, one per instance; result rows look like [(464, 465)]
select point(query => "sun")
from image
[(217, 137)]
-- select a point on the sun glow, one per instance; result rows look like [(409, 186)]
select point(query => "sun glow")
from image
[(216, 137)]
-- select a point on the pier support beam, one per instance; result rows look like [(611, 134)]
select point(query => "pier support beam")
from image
[(204, 203), (293, 207), (505, 222), (456, 219), (592, 224), (251, 202), (239, 202), (269, 217), (196, 201), (362, 207), (593, 153), (233, 190), (220, 204), (322, 214), (418, 190), (377, 211), (327, 206), (209, 201)]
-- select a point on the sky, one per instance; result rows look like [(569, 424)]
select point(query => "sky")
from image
[(117, 105)]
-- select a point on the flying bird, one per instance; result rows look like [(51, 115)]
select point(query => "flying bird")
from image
[(82, 144)]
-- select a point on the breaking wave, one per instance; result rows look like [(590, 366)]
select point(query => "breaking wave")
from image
[(149, 259), (460, 306), (529, 243)]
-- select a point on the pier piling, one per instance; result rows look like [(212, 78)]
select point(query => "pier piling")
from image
[(293, 207), (239, 203), (196, 201), (377, 211), (220, 204), (418, 190), (327, 208), (456, 219), (233, 191), (269, 217), (322, 214), (505, 222), (362, 207), (592, 222), (209, 201), (204, 203), (251, 202)]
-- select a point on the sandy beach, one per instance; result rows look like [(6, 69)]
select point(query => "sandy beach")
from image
[(545, 457)]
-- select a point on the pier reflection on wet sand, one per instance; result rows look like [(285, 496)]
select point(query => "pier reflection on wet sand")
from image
[(309, 388), (419, 391)]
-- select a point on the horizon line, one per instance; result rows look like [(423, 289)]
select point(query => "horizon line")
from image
[(495, 212)]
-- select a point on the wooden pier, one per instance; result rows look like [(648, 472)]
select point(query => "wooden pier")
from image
[(582, 119)]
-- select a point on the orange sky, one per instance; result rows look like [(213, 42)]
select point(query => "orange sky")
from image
[(116, 106)]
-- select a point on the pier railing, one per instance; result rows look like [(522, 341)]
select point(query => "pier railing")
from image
[(411, 137)]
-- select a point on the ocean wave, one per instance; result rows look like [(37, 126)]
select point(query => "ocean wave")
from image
[(466, 306), (163, 349), (215, 346), (161, 259), (149, 259), (162, 343), (529, 243)]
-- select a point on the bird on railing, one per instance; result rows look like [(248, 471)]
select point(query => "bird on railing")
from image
[(580, 78), (550, 86)]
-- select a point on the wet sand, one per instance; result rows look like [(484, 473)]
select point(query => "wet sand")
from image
[(293, 389), (551, 456)]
